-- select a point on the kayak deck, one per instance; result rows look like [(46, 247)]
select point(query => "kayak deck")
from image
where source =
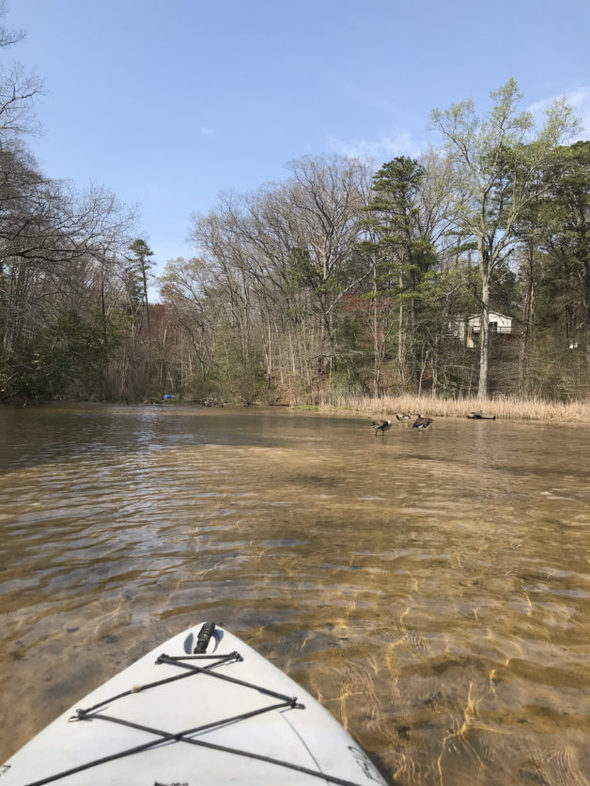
[(181, 715)]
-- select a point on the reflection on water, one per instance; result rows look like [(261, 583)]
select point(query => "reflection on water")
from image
[(432, 589)]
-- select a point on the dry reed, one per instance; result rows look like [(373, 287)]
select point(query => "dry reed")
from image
[(503, 408)]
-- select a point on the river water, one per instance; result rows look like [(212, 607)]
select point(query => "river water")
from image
[(432, 589)]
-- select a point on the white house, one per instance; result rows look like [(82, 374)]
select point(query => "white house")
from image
[(468, 330)]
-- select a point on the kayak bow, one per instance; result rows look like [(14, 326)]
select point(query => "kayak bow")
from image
[(204, 707)]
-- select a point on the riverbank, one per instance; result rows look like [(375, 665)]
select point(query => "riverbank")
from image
[(388, 406), (502, 408)]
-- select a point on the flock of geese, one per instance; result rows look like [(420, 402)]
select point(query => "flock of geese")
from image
[(381, 426)]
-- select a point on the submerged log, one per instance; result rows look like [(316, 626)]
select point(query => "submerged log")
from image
[(481, 416)]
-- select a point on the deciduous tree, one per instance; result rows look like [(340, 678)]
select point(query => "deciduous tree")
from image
[(498, 161)]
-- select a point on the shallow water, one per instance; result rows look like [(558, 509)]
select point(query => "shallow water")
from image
[(432, 589)]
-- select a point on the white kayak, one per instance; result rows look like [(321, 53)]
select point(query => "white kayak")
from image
[(202, 708)]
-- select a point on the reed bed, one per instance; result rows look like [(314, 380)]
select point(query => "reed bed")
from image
[(429, 406)]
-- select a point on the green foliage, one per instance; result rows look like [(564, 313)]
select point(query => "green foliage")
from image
[(392, 209), (22, 377), (303, 272), (141, 254), (68, 359), (137, 274), (393, 220), (563, 286)]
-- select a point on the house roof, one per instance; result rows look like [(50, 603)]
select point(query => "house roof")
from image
[(491, 311)]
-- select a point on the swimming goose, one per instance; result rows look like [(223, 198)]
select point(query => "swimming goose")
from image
[(421, 422), (381, 426), (402, 416)]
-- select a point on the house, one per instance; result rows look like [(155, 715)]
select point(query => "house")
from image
[(468, 329)]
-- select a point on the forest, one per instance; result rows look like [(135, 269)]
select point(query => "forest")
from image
[(463, 272)]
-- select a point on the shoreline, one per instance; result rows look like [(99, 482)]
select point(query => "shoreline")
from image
[(502, 409), (499, 409)]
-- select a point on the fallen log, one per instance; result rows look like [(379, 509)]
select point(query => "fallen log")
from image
[(481, 416)]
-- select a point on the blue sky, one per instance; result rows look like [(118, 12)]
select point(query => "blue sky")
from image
[(167, 103)]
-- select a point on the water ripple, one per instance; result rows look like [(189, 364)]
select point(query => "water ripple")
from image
[(433, 590)]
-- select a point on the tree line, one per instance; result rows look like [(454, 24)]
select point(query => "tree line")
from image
[(344, 278)]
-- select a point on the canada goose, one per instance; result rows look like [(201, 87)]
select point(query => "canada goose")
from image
[(421, 422), (381, 426), (402, 416)]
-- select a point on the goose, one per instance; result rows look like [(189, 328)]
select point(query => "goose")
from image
[(381, 426), (421, 422), (402, 416)]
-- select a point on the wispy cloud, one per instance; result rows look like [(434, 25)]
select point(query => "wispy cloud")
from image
[(401, 142), (381, 148), (578, 99)]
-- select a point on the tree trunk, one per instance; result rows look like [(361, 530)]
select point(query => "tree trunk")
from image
[(377, 339), (401, 343), (528, 319), (587, 328), (484, 338), (417, 381)]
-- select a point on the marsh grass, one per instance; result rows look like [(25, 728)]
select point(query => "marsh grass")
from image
[(502, 408)]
